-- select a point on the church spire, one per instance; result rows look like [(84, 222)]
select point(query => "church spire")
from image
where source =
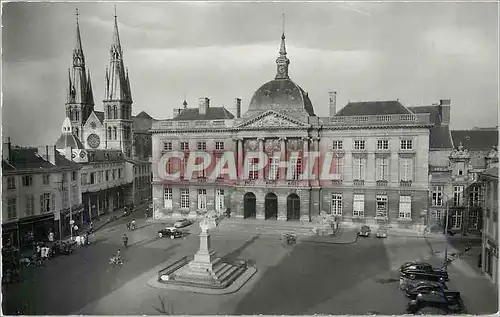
[(78, 57), (282, 61), (117, 86)]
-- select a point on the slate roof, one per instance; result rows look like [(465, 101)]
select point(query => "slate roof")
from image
[(369, 108), (100, 115), (27, 158), (432, 110), (492, 171), (213, 113), (476, 139), (143, 115)]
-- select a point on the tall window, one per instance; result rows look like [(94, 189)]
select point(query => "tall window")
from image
[(253, 173), (405, 207), (437, 215), (382, 168), (337, 204), (46, 179), (358, 209), (382, 144), (184, 146), (107, 175), (184, 198), (92, 178), (338, 165), (109, 133), (337, 145), (202, 146), (202, 199), (167, 198), (382, 205), (406, 144), (11, 182), (359, 168), (359, 145), (296, 163), (11, 208), (30, 205), (45, 203), (406, 169), (115, 133), (167, 146), (220, 204), (460, 168), (474, 199), (273, 168), (437, 196), (458, 193), (27, 180), (456, 219), (201, 173), (113, 173)]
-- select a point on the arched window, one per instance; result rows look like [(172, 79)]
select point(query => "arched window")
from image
[(115, 133), (109, 133), (109, 112), (77, 115), (115, 113)]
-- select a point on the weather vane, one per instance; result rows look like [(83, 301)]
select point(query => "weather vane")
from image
[(115, 10), (283, 23)]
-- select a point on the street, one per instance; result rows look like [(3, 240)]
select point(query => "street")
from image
[(307, 278)]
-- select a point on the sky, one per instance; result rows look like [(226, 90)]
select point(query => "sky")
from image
[(415, 52)]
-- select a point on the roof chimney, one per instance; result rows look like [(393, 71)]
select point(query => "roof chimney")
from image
[(6, 149), (203, 104), (333, 103), (237, 104), (445, 111)]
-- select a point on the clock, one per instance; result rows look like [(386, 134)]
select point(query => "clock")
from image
[(93, 141), (281, 69)]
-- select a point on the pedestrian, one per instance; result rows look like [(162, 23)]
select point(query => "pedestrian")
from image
[(91, 226), (51, 236), (38, 251), (128, 225)]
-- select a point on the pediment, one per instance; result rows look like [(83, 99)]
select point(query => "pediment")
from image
[(93, 122), (272, 119)]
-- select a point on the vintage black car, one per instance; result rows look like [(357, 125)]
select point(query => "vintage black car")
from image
[(170, 232), (417, 287), (437, 303), (422, 271)]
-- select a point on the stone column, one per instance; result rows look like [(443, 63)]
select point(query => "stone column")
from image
[(282, 170), (98, 204), (240, 158), (305, 160), (318, 165), (261, 157)]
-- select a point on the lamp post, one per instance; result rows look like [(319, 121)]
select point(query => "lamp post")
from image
[(446, 231)]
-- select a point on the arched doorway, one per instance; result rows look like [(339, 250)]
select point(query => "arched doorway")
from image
[(249, 208), (271, 206), (293, 207)]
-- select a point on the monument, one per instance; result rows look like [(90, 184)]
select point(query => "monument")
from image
[(206, 270)]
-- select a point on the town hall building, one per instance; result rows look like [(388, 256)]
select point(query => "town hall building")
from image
[(380, 159)]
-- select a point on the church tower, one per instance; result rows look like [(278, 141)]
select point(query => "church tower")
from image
[(117, 100), (80, 98)]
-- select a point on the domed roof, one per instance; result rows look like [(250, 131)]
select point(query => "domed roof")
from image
[(68, 140), (280, 95)]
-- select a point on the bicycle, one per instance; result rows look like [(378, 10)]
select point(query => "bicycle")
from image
[(288, 239)]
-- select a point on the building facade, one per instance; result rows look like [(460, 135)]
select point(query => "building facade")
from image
[(379, 158), (40, 187), (490, 224), (104, 143)]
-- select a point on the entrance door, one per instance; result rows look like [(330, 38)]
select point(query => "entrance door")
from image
[(271, 206), (293, 207), (249, 206)]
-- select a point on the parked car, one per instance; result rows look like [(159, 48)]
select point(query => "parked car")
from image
[(364, 231), (422, 271), (182, 223), (382, 232), (172, 233), (437, 303), (424, 287)]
